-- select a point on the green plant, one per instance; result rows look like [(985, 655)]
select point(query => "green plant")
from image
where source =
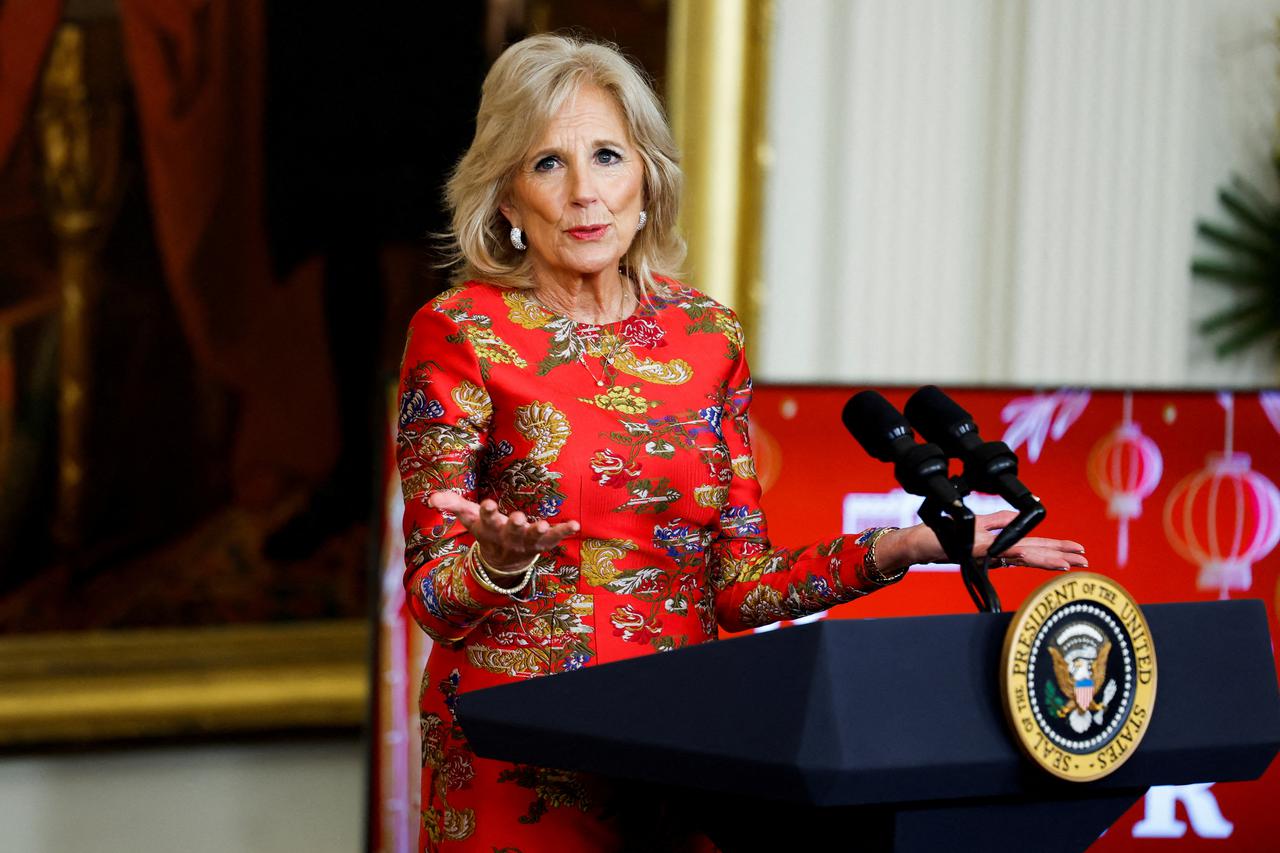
[(1249, 261)]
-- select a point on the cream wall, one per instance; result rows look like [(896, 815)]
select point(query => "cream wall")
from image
[(306, 795), (1005, 191)]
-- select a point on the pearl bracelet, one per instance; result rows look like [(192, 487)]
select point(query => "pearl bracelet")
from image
[(480, 570)]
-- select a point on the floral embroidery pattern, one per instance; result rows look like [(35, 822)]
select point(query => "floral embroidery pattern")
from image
[(598, 556), (476, 330), (545, 426), (551, 788), (474, 401), (447, 760), (610, 469), (633, 626), (524, 310), (655, 465), (622, 399), (706, 315), (674, 372), (643, 333)]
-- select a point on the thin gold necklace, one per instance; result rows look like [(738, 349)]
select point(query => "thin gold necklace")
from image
[(607, 370), (620, 343)]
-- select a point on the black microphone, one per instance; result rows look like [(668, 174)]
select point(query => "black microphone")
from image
[(885, 434), (989, 466), (922, 470)]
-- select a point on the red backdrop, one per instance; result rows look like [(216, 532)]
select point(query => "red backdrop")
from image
[(817, 480), (810, 467)]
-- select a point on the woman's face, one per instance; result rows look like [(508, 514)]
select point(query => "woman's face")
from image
[(578, 192)]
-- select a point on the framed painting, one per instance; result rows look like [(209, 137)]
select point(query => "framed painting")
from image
[(187, 522)]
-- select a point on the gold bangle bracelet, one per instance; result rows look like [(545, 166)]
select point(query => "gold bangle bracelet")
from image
[(477, 568), (870, 568)]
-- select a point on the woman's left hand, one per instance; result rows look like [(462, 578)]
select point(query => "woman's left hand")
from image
[(919, 544), (1034, 551)]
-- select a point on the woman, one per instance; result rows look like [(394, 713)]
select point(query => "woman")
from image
[(579, 486)]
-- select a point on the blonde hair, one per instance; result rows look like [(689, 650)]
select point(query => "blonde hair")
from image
[(524, 89)]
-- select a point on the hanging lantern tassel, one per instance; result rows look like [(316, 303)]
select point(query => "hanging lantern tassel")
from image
[(1122, 542), (1224, 518), (1124, 468)]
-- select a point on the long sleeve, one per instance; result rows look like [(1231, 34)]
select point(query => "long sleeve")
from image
[(756, 584), (444, 421)]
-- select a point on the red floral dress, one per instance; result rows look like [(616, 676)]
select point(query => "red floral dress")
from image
[(636, 429)]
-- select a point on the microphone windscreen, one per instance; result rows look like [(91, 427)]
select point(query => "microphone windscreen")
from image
[(936, 416), (875, 423)]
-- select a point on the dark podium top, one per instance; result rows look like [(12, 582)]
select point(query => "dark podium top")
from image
[(877, 712)]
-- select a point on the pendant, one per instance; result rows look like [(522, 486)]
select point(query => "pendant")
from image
[(600, 383)]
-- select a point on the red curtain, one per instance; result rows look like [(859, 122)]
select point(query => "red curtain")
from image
[(26, 29), (198, 72)]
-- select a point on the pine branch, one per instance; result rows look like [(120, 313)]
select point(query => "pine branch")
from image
[(1252, 241), (1256, 200), (1245, 214), (1247, 336), (1229, 273), (1233, 240), (1231, 316)]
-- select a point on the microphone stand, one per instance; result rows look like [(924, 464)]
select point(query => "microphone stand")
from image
[(953, 524), (976, 580), (990, 466)]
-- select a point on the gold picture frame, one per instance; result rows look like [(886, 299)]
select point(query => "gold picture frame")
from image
[(113, 685)]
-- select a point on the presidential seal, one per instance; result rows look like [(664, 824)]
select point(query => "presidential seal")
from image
[(1078, 676)]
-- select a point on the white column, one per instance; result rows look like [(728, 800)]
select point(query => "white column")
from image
[(1005, 191), (873, 218), (1105, 203)]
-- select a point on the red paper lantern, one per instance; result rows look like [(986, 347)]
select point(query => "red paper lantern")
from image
[(1224, 518), (1124, 468)]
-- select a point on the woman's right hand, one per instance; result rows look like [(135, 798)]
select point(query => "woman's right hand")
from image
[(507, 542)]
